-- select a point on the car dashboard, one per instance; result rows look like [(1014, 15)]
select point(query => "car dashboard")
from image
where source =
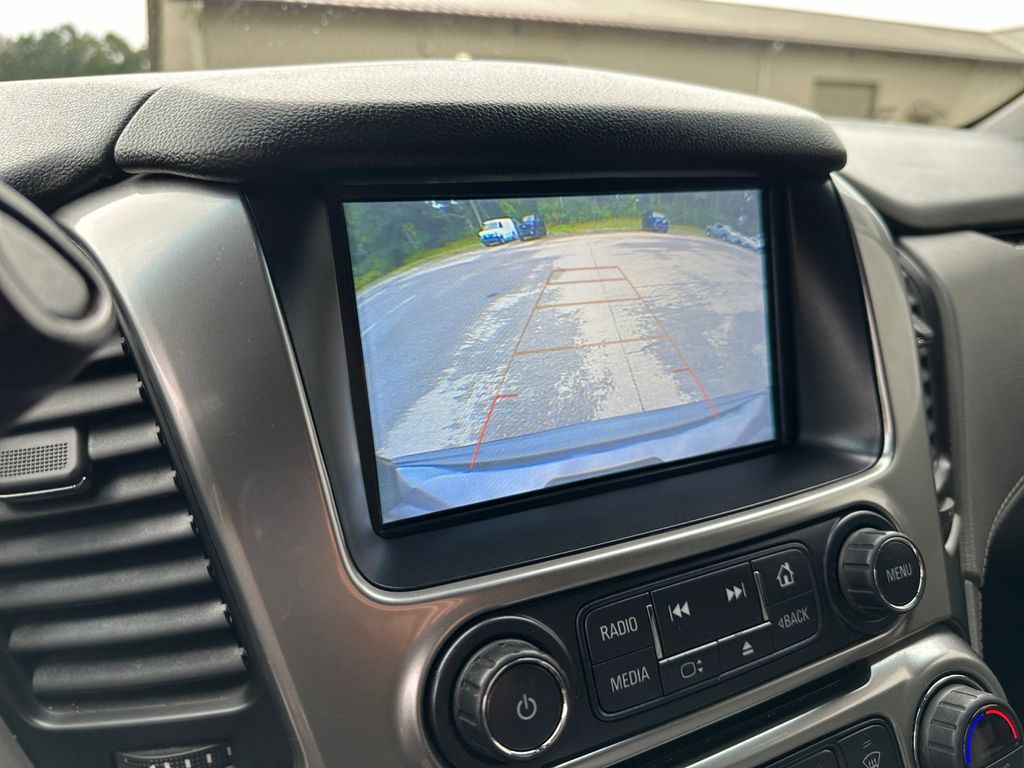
[(231, 580)]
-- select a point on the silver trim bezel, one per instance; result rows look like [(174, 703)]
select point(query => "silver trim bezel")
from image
[(44, 492), (173, 298)]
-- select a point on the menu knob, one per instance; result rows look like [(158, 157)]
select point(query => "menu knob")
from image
[(880, 572)]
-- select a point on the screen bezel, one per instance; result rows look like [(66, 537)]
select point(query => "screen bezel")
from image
[(773, 224)]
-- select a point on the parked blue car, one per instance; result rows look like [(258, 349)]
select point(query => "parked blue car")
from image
[(654, 222), (532, 227)]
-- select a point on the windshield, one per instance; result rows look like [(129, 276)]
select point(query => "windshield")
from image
[(915, 61)]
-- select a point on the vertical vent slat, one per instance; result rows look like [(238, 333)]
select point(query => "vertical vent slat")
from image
[(925, 325), (84, 675), (104, 630), (106, 596)]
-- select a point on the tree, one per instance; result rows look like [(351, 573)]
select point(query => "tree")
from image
[(66, 52)]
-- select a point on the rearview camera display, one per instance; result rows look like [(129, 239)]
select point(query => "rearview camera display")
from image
[(513, 345)]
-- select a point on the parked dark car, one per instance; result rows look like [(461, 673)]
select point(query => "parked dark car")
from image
[(718, 231), (654, 222), (532, 227)]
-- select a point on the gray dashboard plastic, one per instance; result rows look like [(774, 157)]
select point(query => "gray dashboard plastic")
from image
[(977, 283), (11, 754), (349, 661), (416, 119), (59, 138), (926, 179)]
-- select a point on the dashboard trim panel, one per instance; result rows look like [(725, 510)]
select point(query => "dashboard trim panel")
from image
[(822, 316), (186, 265)]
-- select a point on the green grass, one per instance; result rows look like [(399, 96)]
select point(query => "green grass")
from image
[(468, 243), (472, 242), (615, 224)]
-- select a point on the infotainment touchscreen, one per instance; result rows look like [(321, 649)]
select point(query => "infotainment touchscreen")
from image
[(515, 345)]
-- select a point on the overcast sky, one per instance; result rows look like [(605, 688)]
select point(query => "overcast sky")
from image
[(128, 17)]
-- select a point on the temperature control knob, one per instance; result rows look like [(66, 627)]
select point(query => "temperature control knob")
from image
[(964, 727), (880, 572), (511, 701)]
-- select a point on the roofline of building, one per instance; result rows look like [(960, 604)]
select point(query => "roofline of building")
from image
[(554, 14)]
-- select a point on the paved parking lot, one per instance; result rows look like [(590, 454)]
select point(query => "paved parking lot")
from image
[(526, 337)]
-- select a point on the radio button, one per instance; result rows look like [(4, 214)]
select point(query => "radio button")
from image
[(746, 647), (628, 681), (783, 575), (618, 629), (691, 668), (794, 620), (706, 608)]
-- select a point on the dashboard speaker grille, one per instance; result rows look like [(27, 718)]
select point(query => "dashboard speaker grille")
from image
[(106, 593), (35, 460)]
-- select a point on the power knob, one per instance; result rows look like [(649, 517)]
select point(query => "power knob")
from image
[(880, 572), (511, 701), (964, 727)]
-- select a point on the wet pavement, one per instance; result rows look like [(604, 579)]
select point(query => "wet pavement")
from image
[(527, 337)]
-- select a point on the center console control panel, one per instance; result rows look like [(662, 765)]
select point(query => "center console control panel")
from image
[(557, 677), (677, 635)]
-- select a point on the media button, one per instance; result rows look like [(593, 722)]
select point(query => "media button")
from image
[(628, 681), (619, 628), (700, 610), (690, 668), (784, 574), (746, 647), (794, 620)]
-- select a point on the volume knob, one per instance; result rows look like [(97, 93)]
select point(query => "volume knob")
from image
[(880, 572), (511, 701)]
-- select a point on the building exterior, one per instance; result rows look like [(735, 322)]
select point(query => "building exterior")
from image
[(834, 65)]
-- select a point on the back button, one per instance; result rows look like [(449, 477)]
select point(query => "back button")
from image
[(794, 620)]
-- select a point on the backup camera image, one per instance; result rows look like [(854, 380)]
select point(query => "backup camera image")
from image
[(512, 345)]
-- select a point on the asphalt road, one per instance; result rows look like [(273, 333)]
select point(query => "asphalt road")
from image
[(530, 336)]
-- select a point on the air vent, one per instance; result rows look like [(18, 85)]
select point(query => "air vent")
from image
[(106, 596), (925, 321)]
